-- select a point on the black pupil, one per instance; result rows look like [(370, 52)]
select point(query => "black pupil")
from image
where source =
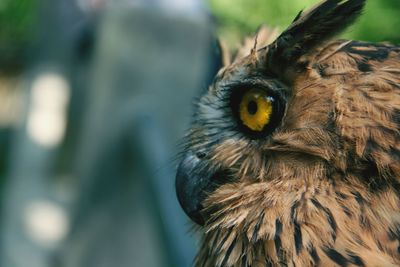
[(252, 107)]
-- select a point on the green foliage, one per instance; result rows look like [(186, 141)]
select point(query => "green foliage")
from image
[(242, 17), (16, 19), (379, 22)]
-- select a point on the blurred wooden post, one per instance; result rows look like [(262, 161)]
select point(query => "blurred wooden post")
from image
[(101, 193), (148, 65)]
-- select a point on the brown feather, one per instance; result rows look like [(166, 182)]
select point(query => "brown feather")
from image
[(323, 188)]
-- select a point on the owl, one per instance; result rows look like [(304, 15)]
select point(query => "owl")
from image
[(293, 155)]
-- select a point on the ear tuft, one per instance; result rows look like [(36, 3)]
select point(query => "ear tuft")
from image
[(310, 29), (265, 35), (224, 53)]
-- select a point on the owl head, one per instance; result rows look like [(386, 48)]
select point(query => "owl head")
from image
[(297, 133)]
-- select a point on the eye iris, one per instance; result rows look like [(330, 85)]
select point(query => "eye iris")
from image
[(256, 109)]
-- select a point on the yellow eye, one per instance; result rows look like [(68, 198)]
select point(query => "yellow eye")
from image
[(255, 109)]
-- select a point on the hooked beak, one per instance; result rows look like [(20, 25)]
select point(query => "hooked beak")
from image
[(194, 182)]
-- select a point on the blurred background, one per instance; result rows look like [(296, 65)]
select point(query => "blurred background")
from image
[(95, 96)]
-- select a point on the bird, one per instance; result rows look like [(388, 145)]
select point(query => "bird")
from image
[(292, 157)]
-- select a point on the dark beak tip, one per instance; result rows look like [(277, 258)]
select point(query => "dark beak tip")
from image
[(197, 217), (189, 193), (190, 205), (193, 182)]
